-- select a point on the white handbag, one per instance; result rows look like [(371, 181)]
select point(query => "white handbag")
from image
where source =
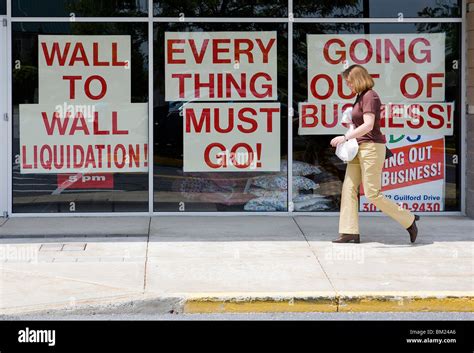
[(347, 150)]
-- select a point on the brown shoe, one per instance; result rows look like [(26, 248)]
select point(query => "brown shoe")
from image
[(346, 238), (413, 229)]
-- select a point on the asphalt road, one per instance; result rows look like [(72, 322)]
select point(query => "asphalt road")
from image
[(272, 316)]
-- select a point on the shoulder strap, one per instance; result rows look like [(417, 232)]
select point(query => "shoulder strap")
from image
[(356, 100), (358, 97)]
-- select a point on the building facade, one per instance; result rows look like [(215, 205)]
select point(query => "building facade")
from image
[(151, 107)]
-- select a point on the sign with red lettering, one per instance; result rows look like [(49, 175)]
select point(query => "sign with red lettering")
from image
[(231, 137), (409, 75), (414, 177), (85, 121), (409, 118), (219, 66), (225, 66)]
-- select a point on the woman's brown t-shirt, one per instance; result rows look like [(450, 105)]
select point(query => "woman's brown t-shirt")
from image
[(368, 102)]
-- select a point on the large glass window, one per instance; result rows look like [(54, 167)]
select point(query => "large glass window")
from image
[(247, 82), (414, 64), (221, 8), (80, 93), (82, 8), (3, 7), (80, 117), (378, 8)]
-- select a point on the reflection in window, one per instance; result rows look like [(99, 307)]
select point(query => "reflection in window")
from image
[(82, 8), (378, 8), (221, 8)]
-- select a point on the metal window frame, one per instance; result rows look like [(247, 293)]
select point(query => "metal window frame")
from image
[(4, 124), (463, 136), (290, 20)]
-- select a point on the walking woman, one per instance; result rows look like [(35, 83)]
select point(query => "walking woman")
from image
[(367, 166)]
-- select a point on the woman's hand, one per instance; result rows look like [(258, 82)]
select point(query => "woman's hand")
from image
[(337, 141)]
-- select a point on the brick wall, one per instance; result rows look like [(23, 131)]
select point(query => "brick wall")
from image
[(470, 117)]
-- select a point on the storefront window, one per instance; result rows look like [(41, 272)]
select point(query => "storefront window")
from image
[(221, 8), (377, 8), (82, 8), (80, 98), (220, 95), (417, 72), (80, 117)]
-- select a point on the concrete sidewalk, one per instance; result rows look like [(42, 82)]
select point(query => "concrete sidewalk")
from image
[(233, 264)]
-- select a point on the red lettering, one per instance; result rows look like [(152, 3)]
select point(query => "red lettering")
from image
[(205, 118), (250, 120), (115, 129), (270, 112), (55, 52), (249, 152), (207, 152), (181, 83), (308, 116), (216, 50), (198, 57), (97, 62), (247, 51), (413, 111), (427, 53), (79, 54), (103, 89), (268, 87), (430, 85), (55, 121), (403, 84), (171, 50), (435, 116), (96, 129), (314, 91), (72, 85), (24, 165), (115, 61), (367, 45), (265, 50), (341, 53), (79, 124), (122, 149)]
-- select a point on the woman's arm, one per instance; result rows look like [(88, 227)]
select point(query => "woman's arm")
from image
[(367, 126)]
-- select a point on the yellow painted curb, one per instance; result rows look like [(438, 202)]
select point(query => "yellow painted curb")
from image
[(340, 303), (406, 304), (195, 306)]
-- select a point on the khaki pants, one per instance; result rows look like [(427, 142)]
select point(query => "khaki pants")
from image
[(366, 167)]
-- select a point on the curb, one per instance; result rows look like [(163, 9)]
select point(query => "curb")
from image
[(343, 302), (126, 304), (259, 303)]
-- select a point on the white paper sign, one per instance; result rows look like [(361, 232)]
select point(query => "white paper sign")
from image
[(231, 137), (85, 121), (219, 66)]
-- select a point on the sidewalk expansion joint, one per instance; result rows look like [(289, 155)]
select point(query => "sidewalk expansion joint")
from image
[(146, 255), (315, 255)]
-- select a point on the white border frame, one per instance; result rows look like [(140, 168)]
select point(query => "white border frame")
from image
[(289, 20)]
